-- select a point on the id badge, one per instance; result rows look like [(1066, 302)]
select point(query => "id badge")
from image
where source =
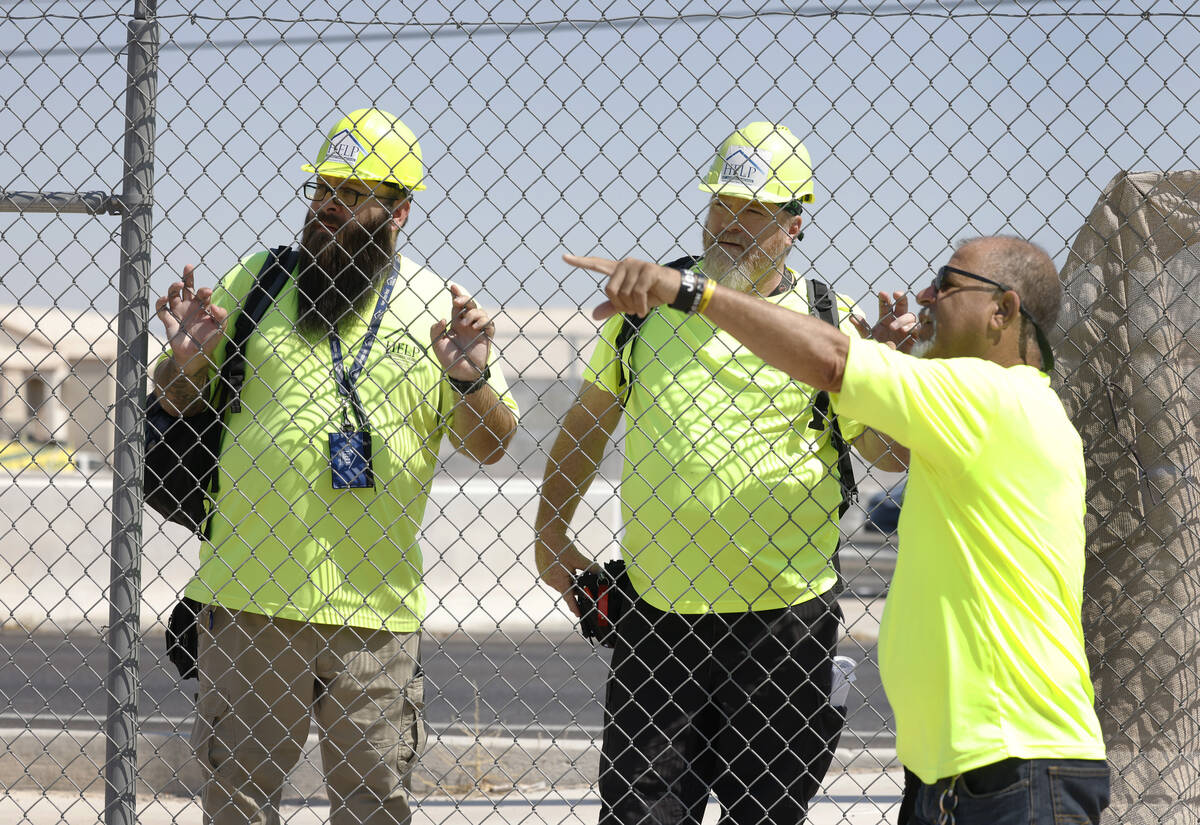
[(350, 460)]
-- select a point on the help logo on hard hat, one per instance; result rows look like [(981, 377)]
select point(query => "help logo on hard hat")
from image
[(762, 162), (372, 146)]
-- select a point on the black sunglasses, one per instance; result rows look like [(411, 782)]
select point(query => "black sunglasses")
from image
[(940, 286)]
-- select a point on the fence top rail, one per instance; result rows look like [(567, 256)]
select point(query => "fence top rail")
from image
[(85, 203)]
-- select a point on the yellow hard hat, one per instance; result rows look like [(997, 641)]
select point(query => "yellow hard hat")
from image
[(762, 162), (372, 146)]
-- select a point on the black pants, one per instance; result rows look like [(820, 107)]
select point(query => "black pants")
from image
[(733, 703)]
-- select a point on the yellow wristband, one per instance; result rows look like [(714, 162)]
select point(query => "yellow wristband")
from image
[(710, 286)]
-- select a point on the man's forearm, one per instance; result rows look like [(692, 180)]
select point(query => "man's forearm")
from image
[(179, 393), (806, 348), (809, 350), (483, 425), (568, 475), (575, 458)]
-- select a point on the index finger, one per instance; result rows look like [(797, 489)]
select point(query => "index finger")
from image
[(602, 265), (461, 295), (900, 305), (189, 278)]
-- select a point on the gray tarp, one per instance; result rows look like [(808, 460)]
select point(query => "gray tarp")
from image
[(1131, 381)]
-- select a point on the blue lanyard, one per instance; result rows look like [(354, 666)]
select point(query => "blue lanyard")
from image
[(346, 381)]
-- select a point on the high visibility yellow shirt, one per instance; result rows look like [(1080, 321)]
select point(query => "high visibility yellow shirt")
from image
[(981, 646), (729, 500), (284, 542)]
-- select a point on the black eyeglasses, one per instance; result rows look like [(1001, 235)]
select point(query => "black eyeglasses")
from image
[(316, 190), (940, 286)]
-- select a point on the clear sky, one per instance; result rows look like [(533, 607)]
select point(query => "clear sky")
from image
[(582, 126)]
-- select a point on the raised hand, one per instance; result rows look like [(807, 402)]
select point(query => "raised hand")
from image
[(633, 286), (463, 344), (194, 326), (895, 326)]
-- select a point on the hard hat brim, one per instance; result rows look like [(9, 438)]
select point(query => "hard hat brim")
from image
[(738, 191), (340, 170)]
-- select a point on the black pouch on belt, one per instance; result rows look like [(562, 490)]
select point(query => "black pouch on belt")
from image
[(183, 639), (603, 596)]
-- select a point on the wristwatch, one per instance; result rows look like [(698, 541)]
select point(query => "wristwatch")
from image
[(464, 387)]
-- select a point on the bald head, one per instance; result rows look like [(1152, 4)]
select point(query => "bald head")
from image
[(1025, 268)]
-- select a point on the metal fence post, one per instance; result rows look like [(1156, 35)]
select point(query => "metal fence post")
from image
[(120, 767)]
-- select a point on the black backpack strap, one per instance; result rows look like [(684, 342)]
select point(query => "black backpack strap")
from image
[(275, 272), (822, 304), (686, 262), (271, 277), (627, 337)]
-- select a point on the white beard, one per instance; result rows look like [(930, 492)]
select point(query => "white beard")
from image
[(734, 273), (738, 278), (921, 348)]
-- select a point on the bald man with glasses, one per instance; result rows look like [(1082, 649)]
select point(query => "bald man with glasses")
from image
[(981, 645)]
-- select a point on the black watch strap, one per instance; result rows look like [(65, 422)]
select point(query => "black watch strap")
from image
[(463, 387), (691, 288)]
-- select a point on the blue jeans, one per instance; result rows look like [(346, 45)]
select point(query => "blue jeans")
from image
[(1018, 792)]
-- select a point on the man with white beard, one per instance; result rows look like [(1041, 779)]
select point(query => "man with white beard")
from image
[(310, 573), (722, 668)]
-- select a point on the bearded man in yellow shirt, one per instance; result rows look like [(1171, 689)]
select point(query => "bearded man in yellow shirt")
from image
[(310, 571), (981, 646)]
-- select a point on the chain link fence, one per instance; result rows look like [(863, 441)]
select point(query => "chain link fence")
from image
[(143, 138)]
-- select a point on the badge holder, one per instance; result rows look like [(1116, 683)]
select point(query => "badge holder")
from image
[(350, 456)]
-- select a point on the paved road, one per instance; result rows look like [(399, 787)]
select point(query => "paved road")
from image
[(54, 569), (490, 686)]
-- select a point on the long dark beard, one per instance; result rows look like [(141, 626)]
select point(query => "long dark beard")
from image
[(339, 272)]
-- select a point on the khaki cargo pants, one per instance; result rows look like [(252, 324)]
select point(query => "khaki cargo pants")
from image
[(261, 682)]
